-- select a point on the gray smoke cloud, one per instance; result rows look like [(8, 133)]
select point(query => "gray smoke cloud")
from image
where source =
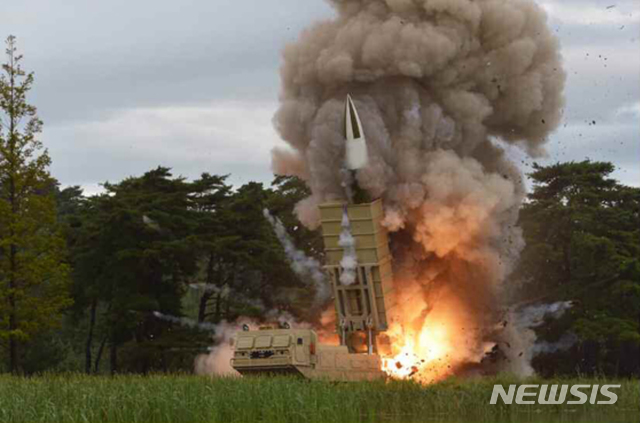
[(185, 321), (565, 342), (307, 268), (218, 361), (533, 316), (524, 345), (207, 287), (440, 86)]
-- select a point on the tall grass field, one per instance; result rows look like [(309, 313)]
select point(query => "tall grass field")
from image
[(187, 398)]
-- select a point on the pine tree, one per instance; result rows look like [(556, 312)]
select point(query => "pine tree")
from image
[(33, 272), (582, 233)]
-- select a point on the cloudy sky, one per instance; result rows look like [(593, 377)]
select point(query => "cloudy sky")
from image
[(125, 86)]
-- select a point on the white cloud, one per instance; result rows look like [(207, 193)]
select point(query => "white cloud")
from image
[(583, 13), (602, 61), (629, 112), (228, 137), (600, 79), (120, 99), (608, 140)]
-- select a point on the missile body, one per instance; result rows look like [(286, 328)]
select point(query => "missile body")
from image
[(356, 155), (356, 145)]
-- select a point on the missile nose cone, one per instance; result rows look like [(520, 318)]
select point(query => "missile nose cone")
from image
[(352, 125), (356, 155)]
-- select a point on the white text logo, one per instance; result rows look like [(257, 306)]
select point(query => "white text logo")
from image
[(554, 394)]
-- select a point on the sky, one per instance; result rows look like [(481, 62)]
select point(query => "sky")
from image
[(126, 86)]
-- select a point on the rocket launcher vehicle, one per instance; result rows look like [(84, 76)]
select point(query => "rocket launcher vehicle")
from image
[(356, 245)]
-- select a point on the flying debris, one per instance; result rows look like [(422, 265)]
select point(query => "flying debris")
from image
[(356, 156), (433, 163), (150, 222)]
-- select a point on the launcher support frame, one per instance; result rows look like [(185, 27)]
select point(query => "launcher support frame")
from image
[(362, 306)]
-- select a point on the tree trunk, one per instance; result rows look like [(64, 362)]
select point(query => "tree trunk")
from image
[(217, 316), (113, 357), (99, 355), (202, 308), (566, 250), (92, 323), (566, 253), (638, 354), (14, 365)]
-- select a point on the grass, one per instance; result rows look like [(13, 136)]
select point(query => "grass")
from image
[(186, 398)]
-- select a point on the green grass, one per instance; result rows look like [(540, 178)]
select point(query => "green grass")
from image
[(186, 398)]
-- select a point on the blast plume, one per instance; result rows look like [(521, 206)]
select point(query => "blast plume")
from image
[(307, 268), (441, 86)]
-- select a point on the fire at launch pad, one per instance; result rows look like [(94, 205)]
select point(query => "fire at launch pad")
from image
[(443, 90)]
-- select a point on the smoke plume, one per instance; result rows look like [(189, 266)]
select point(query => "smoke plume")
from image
[(218, 360), (307, 268), (349, 262), (185, 321), (524, 346), (440, 87)]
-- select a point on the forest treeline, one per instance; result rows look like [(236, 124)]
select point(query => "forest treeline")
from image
[(156, 248), (131, 279)]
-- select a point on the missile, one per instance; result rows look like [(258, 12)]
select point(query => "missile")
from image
[(356, 155)]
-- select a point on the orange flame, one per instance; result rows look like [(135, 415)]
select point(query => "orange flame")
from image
[(426, 342), (423, 355)]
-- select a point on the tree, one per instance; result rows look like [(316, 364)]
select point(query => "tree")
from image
[(285, 193), (33, 271), (582, 233), (134, 254), (137, 247), (235, 246), (210, 197), (263, 273), (243, 266)]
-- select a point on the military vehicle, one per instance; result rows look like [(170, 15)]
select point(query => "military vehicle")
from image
[(297, 352), (361, 301)]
